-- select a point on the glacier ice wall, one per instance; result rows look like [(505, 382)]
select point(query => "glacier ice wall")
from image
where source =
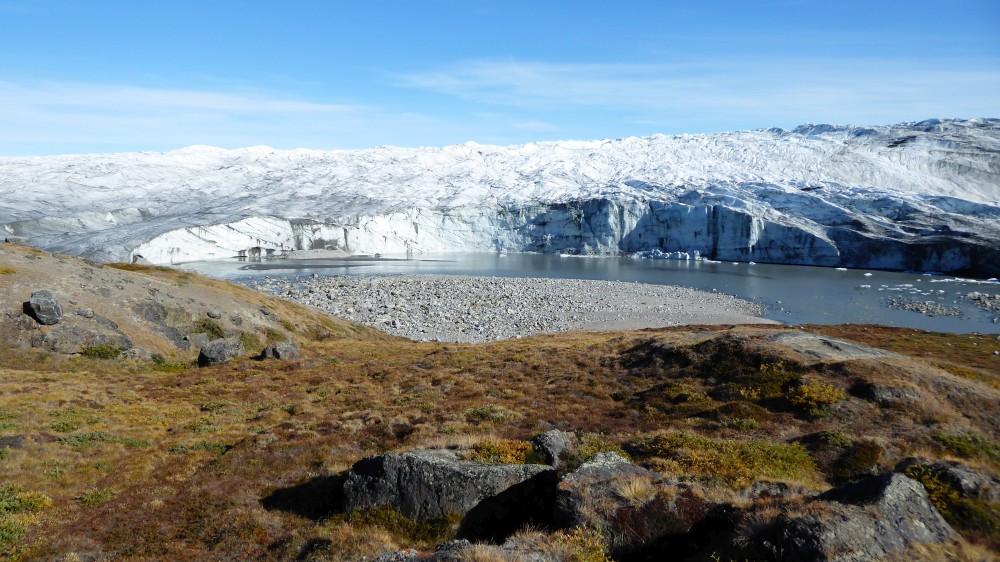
[(922, 196)]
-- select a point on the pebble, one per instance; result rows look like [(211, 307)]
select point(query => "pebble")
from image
[(476, 309)]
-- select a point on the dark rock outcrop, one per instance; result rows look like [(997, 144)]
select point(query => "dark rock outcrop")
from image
[(220, 351), (280, 351), (430, 484), (866, 520), (44, 308), (551, 444)]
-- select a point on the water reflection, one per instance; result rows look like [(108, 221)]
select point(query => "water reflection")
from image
[(792, 294)]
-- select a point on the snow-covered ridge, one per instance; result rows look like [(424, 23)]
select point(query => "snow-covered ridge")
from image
[(911, 196)]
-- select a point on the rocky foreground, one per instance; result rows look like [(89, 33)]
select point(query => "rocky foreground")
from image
[(477, 309)]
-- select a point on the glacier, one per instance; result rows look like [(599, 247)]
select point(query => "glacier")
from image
[(919, 196)]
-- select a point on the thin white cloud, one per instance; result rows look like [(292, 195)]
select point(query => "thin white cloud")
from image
[(851, 90), (116, 117)]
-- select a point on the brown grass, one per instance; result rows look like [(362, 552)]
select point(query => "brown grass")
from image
[(156, 463)]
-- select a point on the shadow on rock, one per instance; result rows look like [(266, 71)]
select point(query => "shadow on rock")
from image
[(314, 499), (529, 503)]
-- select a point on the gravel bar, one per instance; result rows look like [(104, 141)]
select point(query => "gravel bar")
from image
[(476, 309)]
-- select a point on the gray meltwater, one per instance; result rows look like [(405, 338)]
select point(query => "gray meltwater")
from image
[(790, 294)]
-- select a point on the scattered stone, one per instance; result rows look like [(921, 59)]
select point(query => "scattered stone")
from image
[(930, 308), (478, 309), (220, 351), (86, 312), (44, 308), (214, 314), (551, 444), (199, 340), (280, 351)]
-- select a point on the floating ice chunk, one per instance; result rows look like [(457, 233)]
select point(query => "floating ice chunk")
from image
[(841, 269), (868, 274)]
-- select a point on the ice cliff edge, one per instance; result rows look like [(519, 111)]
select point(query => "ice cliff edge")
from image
[(921, 196)]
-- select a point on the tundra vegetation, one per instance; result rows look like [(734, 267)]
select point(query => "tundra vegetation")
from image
[(148, 457)]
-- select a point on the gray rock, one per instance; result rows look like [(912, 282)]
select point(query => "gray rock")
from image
[(891, 396), (74, 334), (867, 520), (199, 340), (44, 307), (214, 314), (12, 442), (430, 484), (551, 444), (220, 351), (85, 312), (280, 351)]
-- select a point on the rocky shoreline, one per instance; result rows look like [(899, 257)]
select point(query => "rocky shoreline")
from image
[(477, 309)]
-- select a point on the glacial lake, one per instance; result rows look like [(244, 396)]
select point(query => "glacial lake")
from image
[(791, 294)]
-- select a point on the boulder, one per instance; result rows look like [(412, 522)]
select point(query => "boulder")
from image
[(76, 333), (220, 351), (861, 521), (44, 308), (636, 506), (886, 395), (280, 351), (430, 484), (551, 444)]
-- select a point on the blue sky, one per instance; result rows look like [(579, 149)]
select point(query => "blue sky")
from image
[(94, 76)]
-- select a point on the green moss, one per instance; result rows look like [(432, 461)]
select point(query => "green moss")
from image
[(487, 413), (18, 511), (731, 461), (972, 517), (401, 527), (251, 342), (505, 451), (970, 445), (209, 327), (86, 440), (101, 351), (813, 398), (210, 446), (861, 459), (94, 497), (161, 364), (589, 445)]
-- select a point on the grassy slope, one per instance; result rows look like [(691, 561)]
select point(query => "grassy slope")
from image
[(168, 461)]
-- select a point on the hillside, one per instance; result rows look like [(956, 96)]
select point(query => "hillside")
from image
[(913, 196), (736, 432)]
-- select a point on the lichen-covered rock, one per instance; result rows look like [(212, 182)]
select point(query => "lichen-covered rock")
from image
[(75, 334), (220, 351), (44, 308), (551, 444), (280, 351), (430, 484), (628, 502), (867, 520)]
